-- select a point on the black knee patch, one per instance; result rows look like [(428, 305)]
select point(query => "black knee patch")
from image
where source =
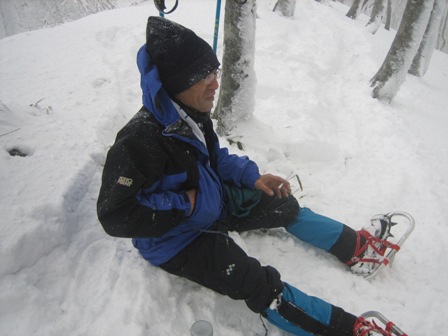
[(271, 212), (268, 288)]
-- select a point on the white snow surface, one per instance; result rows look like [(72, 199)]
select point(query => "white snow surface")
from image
[(67, 90)]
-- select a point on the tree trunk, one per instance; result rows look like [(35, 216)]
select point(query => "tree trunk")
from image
[(354, 10), (392, 74), (24, 15), (364, 5), (376, 18), (388, 15), (442, 43), (285, 7), (421, 61), (237, 94)]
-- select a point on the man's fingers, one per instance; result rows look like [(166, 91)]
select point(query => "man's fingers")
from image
[(274, 185)]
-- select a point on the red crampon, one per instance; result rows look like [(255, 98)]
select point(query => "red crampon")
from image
[(365, 327)]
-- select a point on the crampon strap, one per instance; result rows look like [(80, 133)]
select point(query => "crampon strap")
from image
[(390, 325), (378, 245), (367, 319), (374, 326)]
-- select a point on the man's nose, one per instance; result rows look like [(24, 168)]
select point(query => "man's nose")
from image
[(214, 85)]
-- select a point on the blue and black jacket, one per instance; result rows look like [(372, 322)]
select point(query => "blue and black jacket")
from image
[(155, 159)]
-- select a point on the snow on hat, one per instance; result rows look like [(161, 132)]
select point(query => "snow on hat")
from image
[(182, 57)]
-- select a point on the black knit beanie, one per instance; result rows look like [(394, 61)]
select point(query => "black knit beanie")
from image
[(181, 57)]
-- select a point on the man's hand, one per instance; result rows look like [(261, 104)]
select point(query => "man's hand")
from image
[(271, 184), (192, 197)]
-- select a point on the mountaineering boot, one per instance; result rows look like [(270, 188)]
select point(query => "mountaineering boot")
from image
[(371, 246), (364, 327), (379, 227)]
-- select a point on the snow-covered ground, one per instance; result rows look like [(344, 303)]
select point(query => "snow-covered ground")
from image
[(66, 91)]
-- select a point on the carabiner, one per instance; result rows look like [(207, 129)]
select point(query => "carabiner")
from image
[(160, 5)]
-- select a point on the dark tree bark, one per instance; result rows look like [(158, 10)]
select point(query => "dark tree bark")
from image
[(388, 15), (285, 7), (364, 5), (376, 17), (354, 10)]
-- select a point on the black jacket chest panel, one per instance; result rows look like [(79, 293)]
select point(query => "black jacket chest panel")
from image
[(166, 155)]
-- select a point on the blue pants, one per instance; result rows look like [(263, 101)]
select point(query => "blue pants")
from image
[(315, 229), (299, 313), (217, 262), (305, 315)]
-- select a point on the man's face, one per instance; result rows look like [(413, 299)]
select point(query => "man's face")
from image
[(201, 95)]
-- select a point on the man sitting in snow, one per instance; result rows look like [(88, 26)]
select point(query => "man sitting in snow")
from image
[(169, 185)]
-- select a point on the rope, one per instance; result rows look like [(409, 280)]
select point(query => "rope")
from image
[(160, 5), (264, 326)]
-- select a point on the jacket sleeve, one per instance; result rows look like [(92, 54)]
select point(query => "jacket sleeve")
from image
[(233, 169), (125, 208), (239, 170)]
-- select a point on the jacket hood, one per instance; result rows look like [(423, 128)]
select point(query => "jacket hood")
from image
[(155, 98)]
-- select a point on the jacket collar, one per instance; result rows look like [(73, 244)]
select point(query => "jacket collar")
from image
[(159, 104), (155, 98)]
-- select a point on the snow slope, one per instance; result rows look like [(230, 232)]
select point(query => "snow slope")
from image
[(66, 91)]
